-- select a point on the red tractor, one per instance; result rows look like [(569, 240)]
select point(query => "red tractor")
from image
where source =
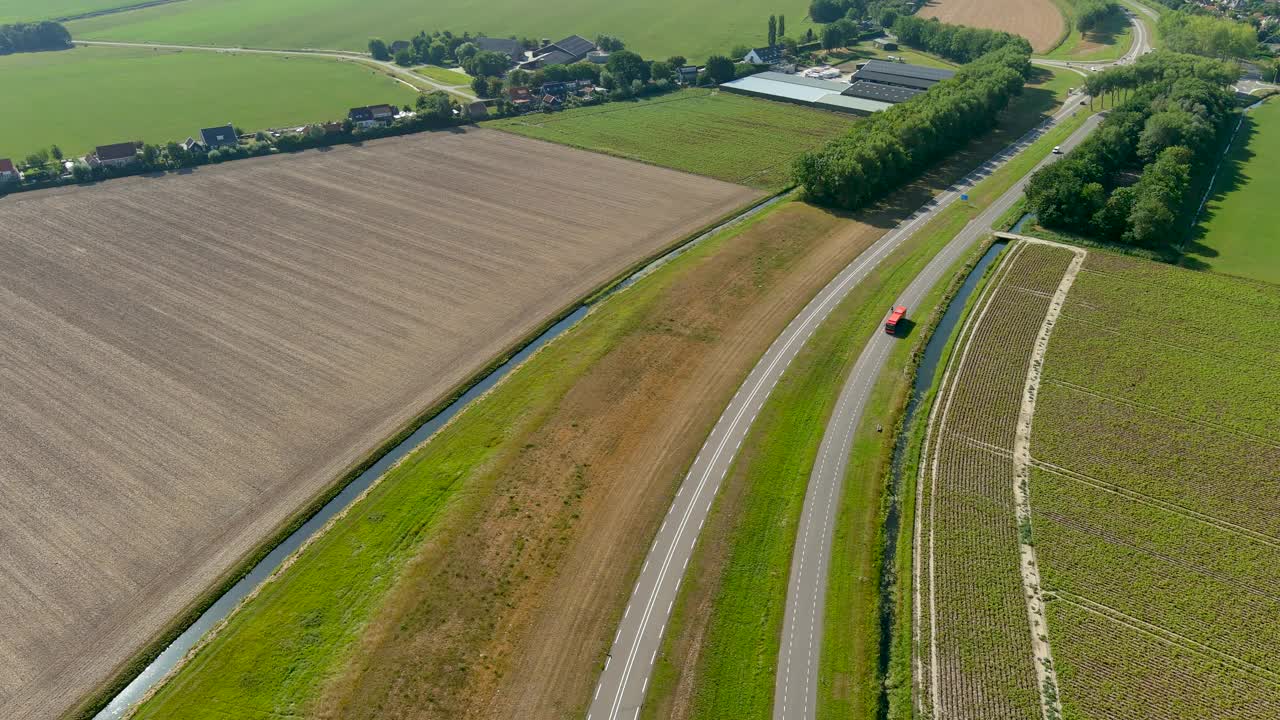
[(896, 316)]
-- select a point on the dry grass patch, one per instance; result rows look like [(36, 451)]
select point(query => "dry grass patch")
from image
[(1036, 20)]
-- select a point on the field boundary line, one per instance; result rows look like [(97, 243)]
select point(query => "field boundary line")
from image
[(1164, 635), (938, 420), (1142, 498), (1134, 404), (1156, 341), (1046, 672)]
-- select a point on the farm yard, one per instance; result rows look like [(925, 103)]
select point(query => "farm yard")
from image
[(729, 137), (974, 637), (1156, 493), (1243, 202), (90, 96), (656, 30), (1039, 21), (189, 359)]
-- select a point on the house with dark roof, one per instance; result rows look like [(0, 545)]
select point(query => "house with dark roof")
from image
[(117, 155), (572, 49), (687, 75), (8, 173), (771, 55), (901, 74), (216, 137), (369, 116), (506, 46), (476, 110)]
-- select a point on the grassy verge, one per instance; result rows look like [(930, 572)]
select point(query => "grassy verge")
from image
[(443, 75), (1107, 43), (868, 51)]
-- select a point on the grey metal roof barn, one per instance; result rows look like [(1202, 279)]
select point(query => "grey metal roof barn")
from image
[(824, 94), (890, 73), (881, 92)]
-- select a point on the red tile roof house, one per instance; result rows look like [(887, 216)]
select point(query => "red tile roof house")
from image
[(117, 155), (520, 97), (8, 173)]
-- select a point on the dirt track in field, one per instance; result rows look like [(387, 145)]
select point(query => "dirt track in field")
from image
[(1037, 20), (186, 360)]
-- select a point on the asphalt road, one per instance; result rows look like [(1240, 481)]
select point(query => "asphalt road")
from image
[(625, 679), (796, 692), (399, 73)]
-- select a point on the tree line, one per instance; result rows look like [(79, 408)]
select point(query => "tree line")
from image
[(958, 43), (889, 148), (1174, 113), (883, 12), (1094, 14), (1207, 35), (32, 37)]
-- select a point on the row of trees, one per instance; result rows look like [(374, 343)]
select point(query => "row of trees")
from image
[(1177, 111), (1207, 35), (777, 28), (32, 37), (883, 12), (1094, 14), (889, 148), (959, 43)]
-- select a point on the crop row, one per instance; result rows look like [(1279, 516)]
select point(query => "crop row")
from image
[(1157, 281), (1109, 670), (1221, 474), (984, 654), (1219, 550)]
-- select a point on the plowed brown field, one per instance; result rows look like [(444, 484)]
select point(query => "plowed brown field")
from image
[(1036, 20), (187, 360)]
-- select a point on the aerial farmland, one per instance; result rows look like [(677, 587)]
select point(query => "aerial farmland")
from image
[(190, 358)]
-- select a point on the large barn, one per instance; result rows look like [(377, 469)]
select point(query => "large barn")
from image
[(876, 86)]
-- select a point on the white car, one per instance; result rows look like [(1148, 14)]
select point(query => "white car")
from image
[(1057, 149)]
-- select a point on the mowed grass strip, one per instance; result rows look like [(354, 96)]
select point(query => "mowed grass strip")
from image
[(443, 75), (90, 96), (1236, 234), (731, 137), (655, 30)]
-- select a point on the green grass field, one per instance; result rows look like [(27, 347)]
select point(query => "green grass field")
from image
[(1156, 515), (28, 10), (92, 96), (1237, 233), (1108, 43), (443, 75), (656, 30), (867, 51), (730, 137)]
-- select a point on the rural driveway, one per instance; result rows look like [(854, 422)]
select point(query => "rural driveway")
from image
[(399, 73), (796, 692), (628, 666)]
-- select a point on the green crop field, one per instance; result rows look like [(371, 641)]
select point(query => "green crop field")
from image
[(28, 10), (695, 30), (730, 137), (1237, 232), (94, 96), (1155, 495)]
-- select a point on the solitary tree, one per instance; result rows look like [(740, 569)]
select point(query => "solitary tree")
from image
[(627, 66), (782, 25), (56, 152), (378, 49), (773, 31)]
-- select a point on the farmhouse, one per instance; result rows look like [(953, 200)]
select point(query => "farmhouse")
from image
[(520, 97), (771, 55), (687, 75), (821, 94), (8, 173), (216, 137), (476, 110), (367, 117), (117, 155), (505, 46)]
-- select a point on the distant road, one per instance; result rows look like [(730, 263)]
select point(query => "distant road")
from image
[(796, 692), (414, 80), (1140, 46), (625, 679)]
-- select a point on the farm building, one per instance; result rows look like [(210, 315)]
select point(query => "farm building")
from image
[(115, 155), (771, 55), (901, 74), (885, 43), (570, 50), (881, 92), (367, 117), (822, 94), (503, 46), (8, 172)]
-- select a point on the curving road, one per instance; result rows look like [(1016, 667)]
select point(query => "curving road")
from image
[(1140, 46), (796, 691), (415, 81), (625, 679)]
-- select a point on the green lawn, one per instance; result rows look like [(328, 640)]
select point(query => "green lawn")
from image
[(868, 50), (1109, 42), (731, 137), (443, 75), (94, 96), (1237, 233), (693, 29)]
